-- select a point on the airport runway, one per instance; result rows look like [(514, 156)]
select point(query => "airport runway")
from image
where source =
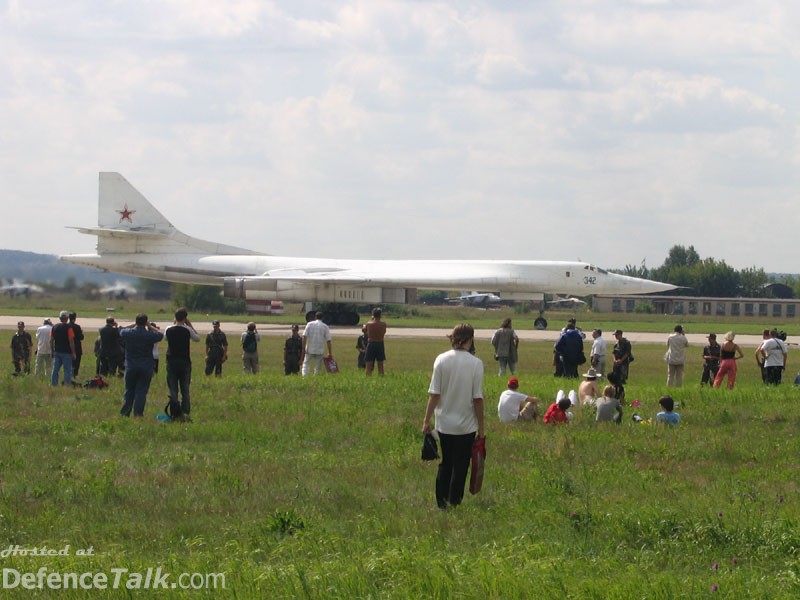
[(203, 326)]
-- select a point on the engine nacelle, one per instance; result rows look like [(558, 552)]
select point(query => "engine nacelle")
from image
[(266, 288)]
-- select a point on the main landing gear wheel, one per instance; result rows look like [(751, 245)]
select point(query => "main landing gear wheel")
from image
[(335, 318), (344, 318), (540, 323)]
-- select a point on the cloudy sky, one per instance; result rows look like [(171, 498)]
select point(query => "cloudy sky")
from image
[(577, 129)]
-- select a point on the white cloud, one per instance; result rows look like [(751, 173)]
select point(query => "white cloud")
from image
[(605, 131)]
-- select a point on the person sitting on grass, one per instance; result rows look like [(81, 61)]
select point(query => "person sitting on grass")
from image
[(588, 390), (557, 412), (619, 389), (607, 404), (668, 415), (516, 406)]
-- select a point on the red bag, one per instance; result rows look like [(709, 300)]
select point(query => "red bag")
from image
[(476, 469), (330, 365)]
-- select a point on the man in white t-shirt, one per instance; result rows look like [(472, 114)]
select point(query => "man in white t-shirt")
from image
[(516, 406), (774, 352), (44, 354), (316, 337)]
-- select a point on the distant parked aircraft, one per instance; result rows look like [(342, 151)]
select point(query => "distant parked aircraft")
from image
[(565, 302), (118, 291), (479, 299), (15, 287), (134, 238)]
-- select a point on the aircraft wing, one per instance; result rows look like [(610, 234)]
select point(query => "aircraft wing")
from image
[(422, 274), (340, 276)]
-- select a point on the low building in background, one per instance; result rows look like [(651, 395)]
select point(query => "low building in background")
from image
[(772, 308)]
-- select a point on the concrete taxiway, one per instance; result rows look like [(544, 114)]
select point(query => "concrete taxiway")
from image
[(203, 326)]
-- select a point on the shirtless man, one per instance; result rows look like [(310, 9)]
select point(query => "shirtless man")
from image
[(588, 391), (376, 331)]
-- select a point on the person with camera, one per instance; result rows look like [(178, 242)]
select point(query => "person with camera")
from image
[(111, 356), (759, 358), (775, 353), (179, 358), (139, 341), (711, 358), (216, 350)]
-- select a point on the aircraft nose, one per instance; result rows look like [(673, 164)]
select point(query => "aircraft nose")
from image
[(636, 285)]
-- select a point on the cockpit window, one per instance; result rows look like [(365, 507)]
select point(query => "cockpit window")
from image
[(597, 269)]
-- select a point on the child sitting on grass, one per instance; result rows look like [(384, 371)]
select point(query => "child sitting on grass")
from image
[(668, 415), (607, 404), (557, 412)]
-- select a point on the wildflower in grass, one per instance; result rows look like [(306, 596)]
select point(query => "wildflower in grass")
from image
[(735, 561), (714, 587), (715, 566)]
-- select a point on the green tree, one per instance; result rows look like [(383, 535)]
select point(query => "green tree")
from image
[(206, 298), (680, 256), (715, 278), (752, 281), (681, 276)]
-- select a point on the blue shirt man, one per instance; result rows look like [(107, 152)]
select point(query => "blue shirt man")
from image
[(139, 342), (569, 348)]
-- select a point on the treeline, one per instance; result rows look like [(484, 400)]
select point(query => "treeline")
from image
[(711, 277)]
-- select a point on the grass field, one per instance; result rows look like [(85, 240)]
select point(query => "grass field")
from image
[(314, 488)]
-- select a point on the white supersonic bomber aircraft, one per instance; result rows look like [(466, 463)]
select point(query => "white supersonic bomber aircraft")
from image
[(134, 238)]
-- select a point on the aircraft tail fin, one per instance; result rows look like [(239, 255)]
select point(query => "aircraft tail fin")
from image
[(128, 223), (122, 206)]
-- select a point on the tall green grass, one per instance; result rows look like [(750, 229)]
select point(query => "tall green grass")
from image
[(314, 487)]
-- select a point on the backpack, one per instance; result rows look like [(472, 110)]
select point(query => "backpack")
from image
[(173, 410), (96, 382), (249, 344)]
